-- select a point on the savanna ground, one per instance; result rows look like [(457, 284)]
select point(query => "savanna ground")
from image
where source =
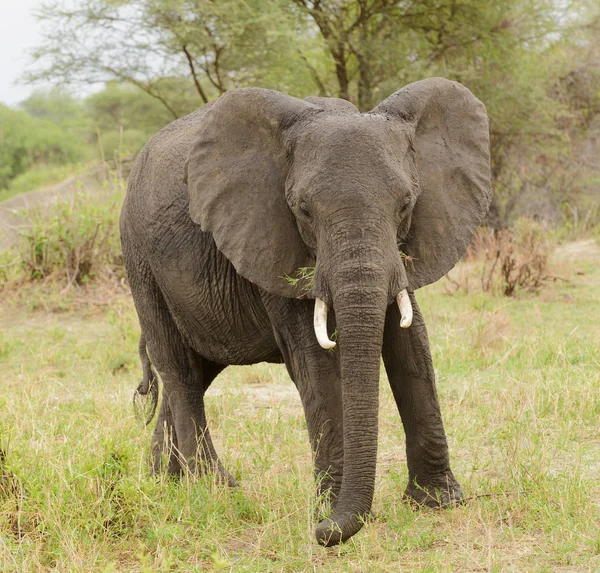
[(519, 384)]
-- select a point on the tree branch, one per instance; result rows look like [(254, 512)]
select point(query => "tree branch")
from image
[(193, 72), (322, 90), (145, 88)]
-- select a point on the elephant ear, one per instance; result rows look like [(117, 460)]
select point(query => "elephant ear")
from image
[(450, 134), (235, 172)]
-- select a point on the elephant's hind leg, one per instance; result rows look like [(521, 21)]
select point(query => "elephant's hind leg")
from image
[(181, 439), (410, 371), (164, 442), (182, 433)]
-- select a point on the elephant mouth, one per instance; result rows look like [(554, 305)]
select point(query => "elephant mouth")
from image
[(320, 318)]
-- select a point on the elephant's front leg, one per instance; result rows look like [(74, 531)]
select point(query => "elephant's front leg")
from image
[(410, 371), (315, 372)]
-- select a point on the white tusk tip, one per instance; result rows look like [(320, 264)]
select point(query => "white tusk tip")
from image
[(320, 324), (405, 307)]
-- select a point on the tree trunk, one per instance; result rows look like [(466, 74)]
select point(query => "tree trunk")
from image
[(339, 58), (365, 92)]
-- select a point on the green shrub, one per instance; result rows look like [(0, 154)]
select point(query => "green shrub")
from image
[(77, 238), (9, 266), (26, 141), (38, 177), (117, 145)]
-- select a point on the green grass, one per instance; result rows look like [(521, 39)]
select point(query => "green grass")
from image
[(38, 177), (74, 240), (519, 385)]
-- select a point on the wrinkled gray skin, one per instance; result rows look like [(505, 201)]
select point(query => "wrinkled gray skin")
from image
[(225, 202)]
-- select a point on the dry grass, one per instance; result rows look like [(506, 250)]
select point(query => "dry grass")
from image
[(508, 262), (518, 382)]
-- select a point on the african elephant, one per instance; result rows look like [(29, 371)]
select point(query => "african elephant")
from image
[(227, 208)]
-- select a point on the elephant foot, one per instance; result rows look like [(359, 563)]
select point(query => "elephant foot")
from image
[(443, 493), (224, 477), (164, 462)]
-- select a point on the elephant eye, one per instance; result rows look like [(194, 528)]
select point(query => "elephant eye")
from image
[(405, 207), (304, 209)]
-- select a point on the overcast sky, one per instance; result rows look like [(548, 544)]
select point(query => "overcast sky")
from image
[(19, 32)]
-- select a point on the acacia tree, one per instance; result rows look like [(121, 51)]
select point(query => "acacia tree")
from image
[(503, 51), (559, 176), (350, 30), (180, 52), (375, 45), (522, 58)]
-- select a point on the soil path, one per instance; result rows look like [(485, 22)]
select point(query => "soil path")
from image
[(12, 219), (585, 249)]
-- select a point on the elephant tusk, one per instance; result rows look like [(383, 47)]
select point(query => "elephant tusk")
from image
[(406, 312), (320, 323)]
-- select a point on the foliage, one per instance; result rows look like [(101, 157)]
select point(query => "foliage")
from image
[(545, 166), (60, 107), (74, 240), (37, 177), (26, 141), (534, 64), (355, 49), (123, 118), (117, 145), (181, 53), (119, 105), (303, 279), (53, 130)]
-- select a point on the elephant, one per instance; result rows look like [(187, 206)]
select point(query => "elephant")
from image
[(257, 226)]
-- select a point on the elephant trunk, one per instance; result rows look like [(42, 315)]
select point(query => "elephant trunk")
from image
[(360, 304)]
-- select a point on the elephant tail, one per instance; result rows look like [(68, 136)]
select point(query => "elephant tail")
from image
[(145, 397)]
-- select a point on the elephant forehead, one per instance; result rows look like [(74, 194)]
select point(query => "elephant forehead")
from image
[(360, 151), (335, 136)]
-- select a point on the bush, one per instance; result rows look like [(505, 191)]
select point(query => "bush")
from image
[(117, 145), (75, 238), (509, 261), (38, 177), (27, 141)]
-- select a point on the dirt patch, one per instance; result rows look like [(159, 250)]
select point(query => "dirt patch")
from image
[(280, 395), (12, 221), (586, 249)]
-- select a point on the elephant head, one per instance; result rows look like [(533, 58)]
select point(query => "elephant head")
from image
[(378, 203)]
